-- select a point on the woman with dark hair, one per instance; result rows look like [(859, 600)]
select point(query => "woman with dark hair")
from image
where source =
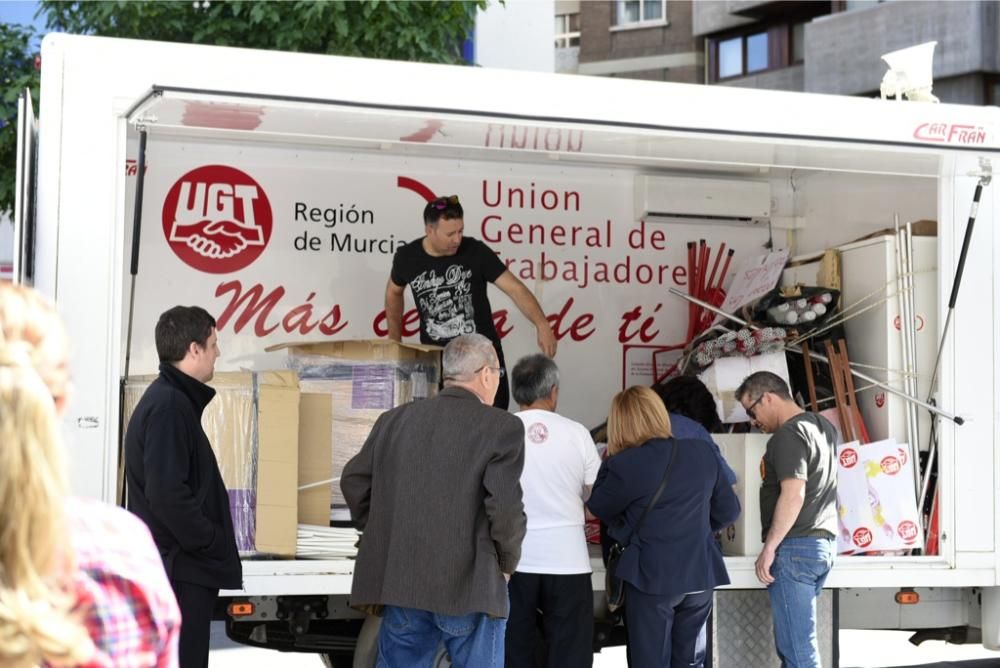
[(688, 396), (672, 563)]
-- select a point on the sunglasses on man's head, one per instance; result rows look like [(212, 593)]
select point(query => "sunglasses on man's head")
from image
[(442, 203)]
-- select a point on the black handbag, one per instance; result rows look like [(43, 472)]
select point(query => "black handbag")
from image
[(614, 586)]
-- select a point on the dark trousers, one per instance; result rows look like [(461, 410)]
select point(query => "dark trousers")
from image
[(666, 631), (197, 604), (562, 608), (502, 400)]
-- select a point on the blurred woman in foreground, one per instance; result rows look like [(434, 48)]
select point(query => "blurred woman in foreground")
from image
[(81, 582)]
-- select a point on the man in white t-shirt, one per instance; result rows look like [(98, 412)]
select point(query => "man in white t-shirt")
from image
[(553, 576)]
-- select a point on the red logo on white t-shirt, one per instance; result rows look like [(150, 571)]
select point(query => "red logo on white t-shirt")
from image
[(538, 433)]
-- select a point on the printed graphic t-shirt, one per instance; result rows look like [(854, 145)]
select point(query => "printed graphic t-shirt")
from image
[(803, 448), (560, 458), (450, 291)]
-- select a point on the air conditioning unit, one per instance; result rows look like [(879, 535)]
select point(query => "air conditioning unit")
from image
[(687, 199)]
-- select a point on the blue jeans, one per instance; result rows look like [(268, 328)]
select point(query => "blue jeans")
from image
[(410, 638), (800, 568)]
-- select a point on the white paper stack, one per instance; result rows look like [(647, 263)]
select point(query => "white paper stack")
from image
[(319, 542), (876, 500)]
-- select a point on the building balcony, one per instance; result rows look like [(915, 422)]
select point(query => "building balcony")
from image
[(843, 51)]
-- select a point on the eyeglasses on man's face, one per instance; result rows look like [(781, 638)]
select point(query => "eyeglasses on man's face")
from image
[(442, 203), (499, 370), (750, 409)]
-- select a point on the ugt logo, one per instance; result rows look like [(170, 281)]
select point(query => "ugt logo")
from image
[(217, 219)]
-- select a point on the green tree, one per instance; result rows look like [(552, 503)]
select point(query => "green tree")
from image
[(432, 31), (18, 71), (420, 31)]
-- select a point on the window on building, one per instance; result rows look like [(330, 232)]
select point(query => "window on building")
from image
[(567, 30), (757, 54), (758, 49), (637, 12), (730, 58)]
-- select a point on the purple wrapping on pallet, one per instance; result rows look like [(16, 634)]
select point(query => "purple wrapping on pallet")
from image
[(243, 507)]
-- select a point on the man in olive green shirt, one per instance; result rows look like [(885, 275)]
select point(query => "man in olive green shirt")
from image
[(798, 512)]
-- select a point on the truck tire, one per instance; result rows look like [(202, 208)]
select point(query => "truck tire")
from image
[(366, 651)]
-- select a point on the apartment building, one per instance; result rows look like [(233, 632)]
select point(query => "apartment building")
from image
[(814, 46)]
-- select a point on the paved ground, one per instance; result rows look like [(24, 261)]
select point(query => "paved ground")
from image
[(858, 649), (882, 649)]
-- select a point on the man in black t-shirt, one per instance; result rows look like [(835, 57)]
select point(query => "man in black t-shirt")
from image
[(447, 274), (798, 512)]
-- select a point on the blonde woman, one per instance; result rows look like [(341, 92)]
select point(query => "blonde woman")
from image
[(39, 617), (100, 598), (672, 563)]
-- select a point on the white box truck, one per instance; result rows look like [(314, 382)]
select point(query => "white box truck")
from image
[(276, 186)]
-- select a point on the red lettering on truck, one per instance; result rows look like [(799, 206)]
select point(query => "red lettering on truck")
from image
[(254, 306)]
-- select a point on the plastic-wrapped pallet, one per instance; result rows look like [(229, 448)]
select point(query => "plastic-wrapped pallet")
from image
[(252, 425), (363, 378)]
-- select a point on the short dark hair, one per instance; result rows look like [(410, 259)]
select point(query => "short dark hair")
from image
[(688, 396), (178, 328), (533, 378), (443, 207), (758, 384)]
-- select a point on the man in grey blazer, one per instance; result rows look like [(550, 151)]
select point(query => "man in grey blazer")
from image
[(436, 492)]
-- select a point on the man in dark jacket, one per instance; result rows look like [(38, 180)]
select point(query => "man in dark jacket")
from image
[(436, 490), (174, 484)]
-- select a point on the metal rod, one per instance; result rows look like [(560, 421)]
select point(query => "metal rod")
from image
[(140, 182), (868, 379), (911, 335), (905, 318), (956, 282), (925, 483)]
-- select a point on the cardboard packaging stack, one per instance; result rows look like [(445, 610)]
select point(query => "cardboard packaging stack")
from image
[(360, 380), (252, 424)]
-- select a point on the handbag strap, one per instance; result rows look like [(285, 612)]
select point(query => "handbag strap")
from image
[(659, 491)]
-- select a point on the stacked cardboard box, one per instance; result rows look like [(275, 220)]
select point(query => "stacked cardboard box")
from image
[(252, 424)]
